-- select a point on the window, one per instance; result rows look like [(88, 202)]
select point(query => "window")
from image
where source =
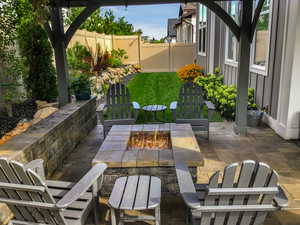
[(231, 42), (202, 29), (260, 46), (261, 41)]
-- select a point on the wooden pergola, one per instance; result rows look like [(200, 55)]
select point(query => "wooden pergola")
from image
[(244, 33)]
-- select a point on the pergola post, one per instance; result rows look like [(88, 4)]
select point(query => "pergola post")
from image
[(60, 55), (240, 126)]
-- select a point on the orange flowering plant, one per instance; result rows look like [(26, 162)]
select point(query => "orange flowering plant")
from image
[(190, 72)]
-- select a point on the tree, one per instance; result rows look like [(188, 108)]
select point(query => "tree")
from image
[(11, 66), (8, 19), (105, 22), (36, 49)]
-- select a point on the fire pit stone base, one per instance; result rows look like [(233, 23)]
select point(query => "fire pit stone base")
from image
[(166, 174)]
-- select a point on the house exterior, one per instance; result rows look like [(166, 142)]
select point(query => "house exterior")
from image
[(275, 58), (172, 33), (186, 23)]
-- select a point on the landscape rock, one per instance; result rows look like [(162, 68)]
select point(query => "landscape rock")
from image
[(43, 113)]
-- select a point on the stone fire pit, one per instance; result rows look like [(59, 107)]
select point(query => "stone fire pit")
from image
[(150, 150)]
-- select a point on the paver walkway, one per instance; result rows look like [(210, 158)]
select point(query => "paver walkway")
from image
[(223, 148)]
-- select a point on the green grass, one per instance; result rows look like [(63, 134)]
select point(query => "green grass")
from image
[(157, 88)]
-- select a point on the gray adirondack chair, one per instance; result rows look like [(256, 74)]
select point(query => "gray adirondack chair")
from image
[(118, 108), (36, 201), (189, 108), (243, 197)]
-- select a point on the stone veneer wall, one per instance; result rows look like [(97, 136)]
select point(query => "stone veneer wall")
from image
[(167, 175), (52, 139)]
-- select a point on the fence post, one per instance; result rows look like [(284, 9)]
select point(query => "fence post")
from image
[(169, 56), (139, 49)]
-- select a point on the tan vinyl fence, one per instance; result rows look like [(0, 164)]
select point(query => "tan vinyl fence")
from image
[(152, 57)]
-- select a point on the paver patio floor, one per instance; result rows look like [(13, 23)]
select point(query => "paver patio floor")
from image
[(223, 148)]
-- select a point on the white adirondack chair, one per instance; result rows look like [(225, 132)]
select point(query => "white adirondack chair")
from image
[(36, 201), (243, 197)]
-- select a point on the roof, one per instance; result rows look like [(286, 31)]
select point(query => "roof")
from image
[(187, 9), (171, 27)]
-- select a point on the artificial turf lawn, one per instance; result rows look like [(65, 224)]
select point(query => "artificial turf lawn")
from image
[(159, 89)]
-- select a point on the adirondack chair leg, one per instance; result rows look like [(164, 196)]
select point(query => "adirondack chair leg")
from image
[(95, 202), (188, 216), (157, 215), (113, 217)]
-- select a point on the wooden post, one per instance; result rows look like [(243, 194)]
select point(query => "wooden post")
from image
[(60, 56), (240, 126), (139, 50)]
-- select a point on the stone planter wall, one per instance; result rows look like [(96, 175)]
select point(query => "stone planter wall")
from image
[(52, 139)]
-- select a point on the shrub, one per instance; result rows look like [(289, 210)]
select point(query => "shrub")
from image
[(35, 47), (223, 96), (78, 58), (190, 72), (80, 83), (116, 58)]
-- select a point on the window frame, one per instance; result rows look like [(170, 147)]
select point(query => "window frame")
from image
[(201, 27), (262, 70), (228, 61)]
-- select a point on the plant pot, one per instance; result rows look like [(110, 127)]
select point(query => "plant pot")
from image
[(254, 118), (83, 95)]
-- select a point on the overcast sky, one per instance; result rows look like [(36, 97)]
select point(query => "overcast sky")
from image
[(152, 19)]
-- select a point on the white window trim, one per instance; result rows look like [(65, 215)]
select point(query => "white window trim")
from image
[(200, 29), (261, 70), (230, 62)]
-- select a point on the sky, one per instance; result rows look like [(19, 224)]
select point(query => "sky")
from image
[(152, 19)]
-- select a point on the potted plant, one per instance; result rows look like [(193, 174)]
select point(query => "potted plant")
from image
[(81, 86), (254, 116)]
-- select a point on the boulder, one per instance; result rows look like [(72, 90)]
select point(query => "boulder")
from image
[(43, 113)]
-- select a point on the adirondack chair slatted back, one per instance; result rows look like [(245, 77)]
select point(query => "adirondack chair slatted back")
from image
[(249, 175), (118, 102), (191, 102), (26, 195)]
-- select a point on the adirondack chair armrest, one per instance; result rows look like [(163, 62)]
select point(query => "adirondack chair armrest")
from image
[(210, 105), (210, 108), (37, 166), (281, 199), (90, 179), (173, 105), (186, 186), (100, 112), (136, 106)]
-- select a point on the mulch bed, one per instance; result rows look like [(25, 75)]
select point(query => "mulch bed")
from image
[(24, 110)]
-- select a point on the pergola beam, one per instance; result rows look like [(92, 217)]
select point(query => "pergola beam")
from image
[(100, 3), (240, 126), (78, 21), (61, 62), (226, 18)]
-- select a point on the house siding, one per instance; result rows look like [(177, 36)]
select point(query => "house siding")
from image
[(266, 86)]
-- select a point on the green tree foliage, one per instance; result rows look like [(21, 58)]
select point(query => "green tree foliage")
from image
[(103, 22), (11, 66), (8, 19), (36, 49)]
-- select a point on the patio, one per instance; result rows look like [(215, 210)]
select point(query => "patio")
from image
[(223, 148)]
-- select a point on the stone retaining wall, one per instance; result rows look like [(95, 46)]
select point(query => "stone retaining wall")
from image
[(52, 139)]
